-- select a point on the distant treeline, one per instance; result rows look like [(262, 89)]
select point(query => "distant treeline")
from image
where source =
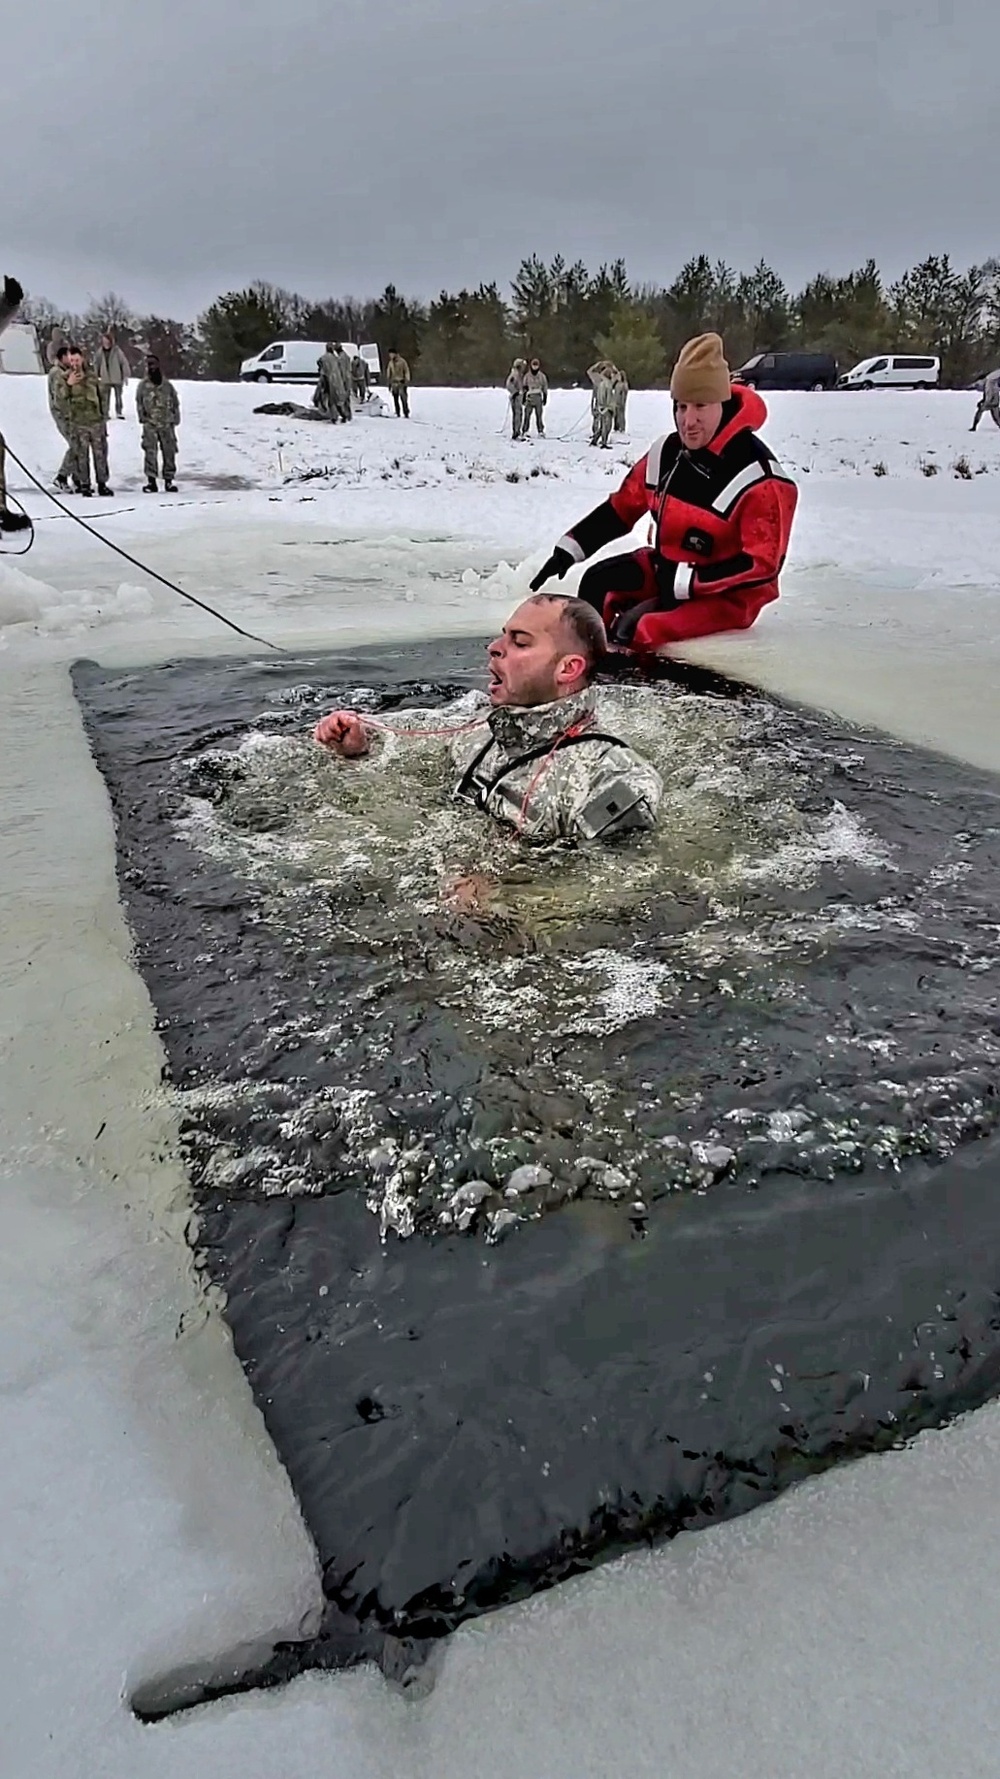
[(569, 316)]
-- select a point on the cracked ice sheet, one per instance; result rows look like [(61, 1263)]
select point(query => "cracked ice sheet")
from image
[(833, 1631)]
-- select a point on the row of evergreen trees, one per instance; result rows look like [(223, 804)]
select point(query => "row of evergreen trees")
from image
[(569, 315)]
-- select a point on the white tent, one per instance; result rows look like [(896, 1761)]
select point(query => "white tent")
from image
[(19, 354)]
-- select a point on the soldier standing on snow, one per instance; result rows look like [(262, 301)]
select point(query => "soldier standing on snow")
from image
[(159, 411), (397, 378), (113, 372), (359, 377), (56, 382), (602, 404), (515, 390), (989, 401), (621, 399), (334, 387), (536, 394), (78, 404)]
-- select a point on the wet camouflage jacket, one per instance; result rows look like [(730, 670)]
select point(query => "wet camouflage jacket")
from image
[(593, 789), (397, 371), (157, 404), (78, 404), (536, 383)]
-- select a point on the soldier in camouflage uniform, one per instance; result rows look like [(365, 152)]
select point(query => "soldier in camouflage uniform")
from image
[(539, 759), (113, 372), (10, 301), (515, 390), (536, 394), (333, 391), (621, 399), (397, 381), (56, 380), (359, 378), (159, 411), (602, 404), (78, 405)]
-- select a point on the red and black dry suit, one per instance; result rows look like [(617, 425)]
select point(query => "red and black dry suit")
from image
[(721, 519)]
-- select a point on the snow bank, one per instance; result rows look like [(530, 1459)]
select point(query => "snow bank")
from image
[(25, 601)]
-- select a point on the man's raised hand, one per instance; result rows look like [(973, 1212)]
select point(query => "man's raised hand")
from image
[(344, 732)]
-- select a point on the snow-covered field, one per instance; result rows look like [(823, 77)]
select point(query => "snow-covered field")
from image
[(144, 1521)]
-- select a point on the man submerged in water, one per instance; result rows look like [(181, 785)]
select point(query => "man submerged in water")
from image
[(537, 759)]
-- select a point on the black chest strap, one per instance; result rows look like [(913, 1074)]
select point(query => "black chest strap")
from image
[(482, 792)]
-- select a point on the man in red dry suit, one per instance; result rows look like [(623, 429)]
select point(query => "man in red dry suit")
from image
[(721, 511)]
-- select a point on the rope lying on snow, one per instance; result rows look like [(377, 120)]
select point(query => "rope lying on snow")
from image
[(192, 599)]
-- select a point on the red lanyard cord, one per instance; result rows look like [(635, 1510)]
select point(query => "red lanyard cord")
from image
[(431, 734), (569, 734)]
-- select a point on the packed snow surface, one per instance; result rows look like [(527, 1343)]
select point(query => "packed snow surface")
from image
[(145, 1523)]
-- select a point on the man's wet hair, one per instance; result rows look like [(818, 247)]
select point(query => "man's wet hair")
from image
[(583, 624)]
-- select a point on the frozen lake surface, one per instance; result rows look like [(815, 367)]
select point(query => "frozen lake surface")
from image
[(147, 1525)]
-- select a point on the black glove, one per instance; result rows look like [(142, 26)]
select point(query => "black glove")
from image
[(559, 563), (12, 293)]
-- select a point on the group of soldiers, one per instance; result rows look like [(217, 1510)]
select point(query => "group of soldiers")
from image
[(80, 400), (528, 392), (341, 377), (528, 389)]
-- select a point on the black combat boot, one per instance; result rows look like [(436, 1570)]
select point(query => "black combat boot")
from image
[(102, 488), (170, 487), (150, 487), (13, 521)]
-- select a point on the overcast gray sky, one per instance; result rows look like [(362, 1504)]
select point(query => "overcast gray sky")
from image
[(171, 149)]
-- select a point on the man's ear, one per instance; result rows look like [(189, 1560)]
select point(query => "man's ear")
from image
[(570, 668)]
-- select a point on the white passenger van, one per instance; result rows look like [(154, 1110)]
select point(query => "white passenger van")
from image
[(294, 361), (893, 370)]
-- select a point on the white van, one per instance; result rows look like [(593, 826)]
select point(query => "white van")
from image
[(294, 361), (893, 371)]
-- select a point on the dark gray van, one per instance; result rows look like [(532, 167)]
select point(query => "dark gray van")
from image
[(789, 370)]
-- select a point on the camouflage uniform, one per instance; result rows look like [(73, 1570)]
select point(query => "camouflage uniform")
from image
[(602, 406), (536, 394), (343, 364), (334, 387), (594, 789), (515, 390), (113, 372), (359, 377), (397, 379), (989, 401), (159, 412), (621, 399), (78, 406), (56, 377)]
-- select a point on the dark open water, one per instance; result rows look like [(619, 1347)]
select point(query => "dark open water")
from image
[(752, 1064)]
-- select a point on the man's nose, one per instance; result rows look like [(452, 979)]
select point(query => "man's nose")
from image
[(495, 647)]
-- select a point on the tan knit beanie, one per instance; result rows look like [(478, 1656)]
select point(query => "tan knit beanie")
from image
[(701, 373)]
